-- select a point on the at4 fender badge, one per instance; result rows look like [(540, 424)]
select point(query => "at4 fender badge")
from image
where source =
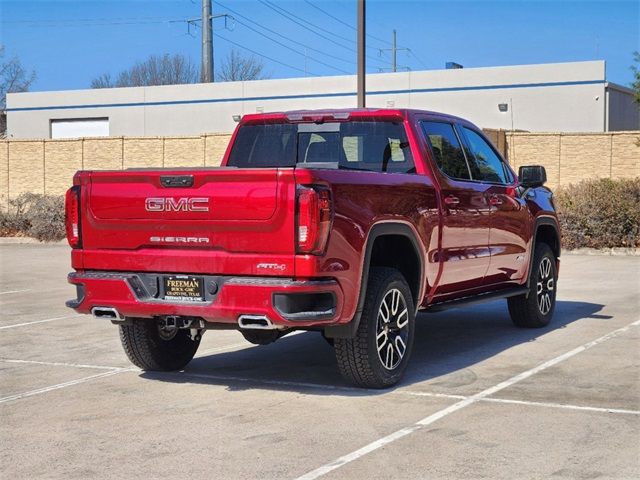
[(272, 266)]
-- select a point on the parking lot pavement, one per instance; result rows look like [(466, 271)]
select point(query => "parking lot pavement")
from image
[(480, 398)]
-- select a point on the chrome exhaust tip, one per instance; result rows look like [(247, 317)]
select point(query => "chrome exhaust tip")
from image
[(255, 322), (109, 313)]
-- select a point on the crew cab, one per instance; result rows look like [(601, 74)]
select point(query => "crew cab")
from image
[(345, 222)]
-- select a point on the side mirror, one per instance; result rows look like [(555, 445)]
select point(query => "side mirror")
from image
[(532, 176)]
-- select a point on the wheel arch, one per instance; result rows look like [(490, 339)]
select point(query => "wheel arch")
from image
[(382, 236), (547, 231)]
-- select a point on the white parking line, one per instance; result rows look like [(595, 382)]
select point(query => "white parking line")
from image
[(59, 364), (61, 385), (563, 405), (15, 291), (38, 321), (381, 442), (527, 403)]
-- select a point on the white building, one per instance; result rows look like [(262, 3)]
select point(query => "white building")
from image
[(570, 97)]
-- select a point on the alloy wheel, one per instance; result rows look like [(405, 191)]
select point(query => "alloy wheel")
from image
[(545, 286), (392, 329)]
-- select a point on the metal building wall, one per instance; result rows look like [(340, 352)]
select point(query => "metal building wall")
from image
[(549, 97)]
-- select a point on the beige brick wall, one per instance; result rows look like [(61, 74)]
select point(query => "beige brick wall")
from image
[(584, 156), (48, 165), (184, 152), (102, 153), (143, 152), (571, 157), (26, 167), (214, 148), (625, 152), (63, 158), (526, 149), (4, 173)]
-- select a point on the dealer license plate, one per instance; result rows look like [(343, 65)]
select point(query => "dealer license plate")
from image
[(183, 288)]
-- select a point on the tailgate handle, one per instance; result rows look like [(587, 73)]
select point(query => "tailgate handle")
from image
[(176, 181)]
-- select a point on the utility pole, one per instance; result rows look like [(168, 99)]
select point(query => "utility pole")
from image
[(394, 52), (206, 72), (361, 54)]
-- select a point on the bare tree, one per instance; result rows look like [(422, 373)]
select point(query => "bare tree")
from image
[(236, 67), (13, 78), (156, 70), (635, 85)]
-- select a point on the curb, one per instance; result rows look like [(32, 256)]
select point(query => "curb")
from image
[(615, 251)]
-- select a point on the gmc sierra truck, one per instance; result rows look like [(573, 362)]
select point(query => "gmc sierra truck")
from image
[(345, 222)]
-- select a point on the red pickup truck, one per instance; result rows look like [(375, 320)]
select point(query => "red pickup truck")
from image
[(345, 222)]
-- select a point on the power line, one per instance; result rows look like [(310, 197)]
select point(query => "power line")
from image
[(410, 51), (413, 54), (350, 62), (292, 17), (343, 22), (307, 22), (260, 54), (291, 48), (75, 20), (304, 26), (96, 23)]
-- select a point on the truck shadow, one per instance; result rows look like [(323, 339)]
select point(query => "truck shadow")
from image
[(447, 345)]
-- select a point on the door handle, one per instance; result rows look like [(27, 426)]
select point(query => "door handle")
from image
[(495, 200), (451, 200)]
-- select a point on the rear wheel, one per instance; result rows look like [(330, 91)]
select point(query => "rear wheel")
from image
[(378, 354), (153, 347), (535, 309)]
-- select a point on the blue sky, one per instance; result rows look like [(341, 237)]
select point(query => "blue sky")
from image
[(68, 43)]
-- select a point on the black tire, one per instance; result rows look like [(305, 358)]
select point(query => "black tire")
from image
[(535, 309), (149, 349), (358, 358)]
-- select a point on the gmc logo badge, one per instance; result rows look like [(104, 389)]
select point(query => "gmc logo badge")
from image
[(182, 204)]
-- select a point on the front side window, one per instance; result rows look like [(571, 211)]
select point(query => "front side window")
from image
[(446, 149), (485, 164)]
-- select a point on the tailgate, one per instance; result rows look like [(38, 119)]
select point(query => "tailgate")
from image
[(221, 211)]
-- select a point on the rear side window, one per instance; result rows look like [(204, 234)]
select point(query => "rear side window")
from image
[(446, 149), (371, 145), (485, 164), (259, 146)]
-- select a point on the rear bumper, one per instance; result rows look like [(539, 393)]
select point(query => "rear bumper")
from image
[(284, 301)]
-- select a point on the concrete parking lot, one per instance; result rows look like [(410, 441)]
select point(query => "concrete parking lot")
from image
[(481, 398)]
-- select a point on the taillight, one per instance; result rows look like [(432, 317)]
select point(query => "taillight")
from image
[(72, 216), (313, 219)]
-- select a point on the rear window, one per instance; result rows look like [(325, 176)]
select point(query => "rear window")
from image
[(373, 146), (258, 146)]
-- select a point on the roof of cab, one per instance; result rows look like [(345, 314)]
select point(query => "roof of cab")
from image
[(299, 115)]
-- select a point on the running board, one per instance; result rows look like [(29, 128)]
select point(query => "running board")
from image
[(473, 299)]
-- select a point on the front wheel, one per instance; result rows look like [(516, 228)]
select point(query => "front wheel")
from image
[(535, 309), (378, 354), (152, 347)]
